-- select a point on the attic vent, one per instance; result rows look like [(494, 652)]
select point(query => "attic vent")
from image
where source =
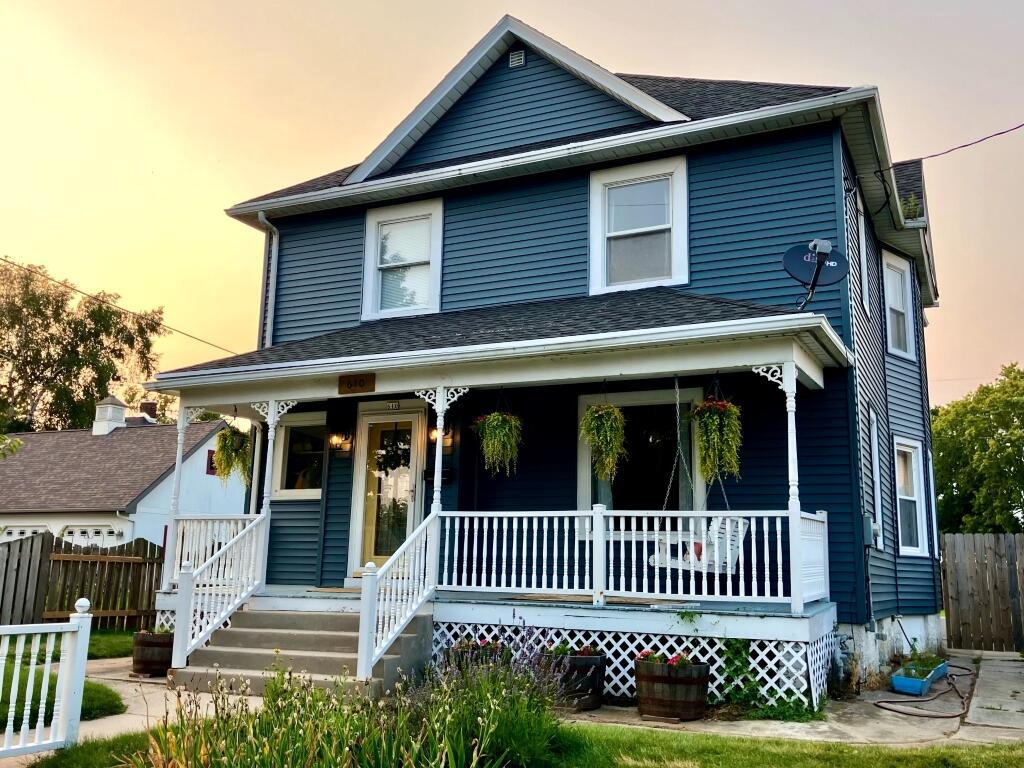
[(516, 58)]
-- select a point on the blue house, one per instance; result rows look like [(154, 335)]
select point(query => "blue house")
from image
[(541, 236)]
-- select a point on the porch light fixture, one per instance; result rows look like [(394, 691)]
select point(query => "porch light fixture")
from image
[(341, 442), (446, 441)]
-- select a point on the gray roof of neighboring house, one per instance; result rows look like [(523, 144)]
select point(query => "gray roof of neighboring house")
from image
[(910, 180), (74, 470), (696, 98), (527, 321)]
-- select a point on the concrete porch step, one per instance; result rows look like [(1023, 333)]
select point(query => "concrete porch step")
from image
[(202, 679), (313, 662), (292, 620), (292, 639)]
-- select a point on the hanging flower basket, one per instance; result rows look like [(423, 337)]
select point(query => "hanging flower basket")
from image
[(719, 438), (604, 428), (500, 436), (232, 455)]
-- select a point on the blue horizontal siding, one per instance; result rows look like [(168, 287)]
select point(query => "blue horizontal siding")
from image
[(508, 108), (750, 201), (518, 242), (319, 274), (294, 552)]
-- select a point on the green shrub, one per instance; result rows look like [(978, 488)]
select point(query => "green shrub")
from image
[(97, 699)]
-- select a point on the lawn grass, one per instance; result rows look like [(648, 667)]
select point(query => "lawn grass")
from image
[(110, 643), (97, 699), (600, 746)]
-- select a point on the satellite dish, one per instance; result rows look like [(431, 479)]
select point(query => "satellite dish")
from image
[(801, 262)]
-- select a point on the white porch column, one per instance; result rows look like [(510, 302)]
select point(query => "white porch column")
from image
[(185, 417), (271, 411), (440, 398), (784, 376)]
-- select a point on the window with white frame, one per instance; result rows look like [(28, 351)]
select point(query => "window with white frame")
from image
[(862, 245), (299, 452), (638, 226), (876, 480), (910, 503), (899, 302), (402, 272)]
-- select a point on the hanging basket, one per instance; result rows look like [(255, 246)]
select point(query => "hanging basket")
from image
[(719, 438), (500, 436), (232, 455), (604, 428)]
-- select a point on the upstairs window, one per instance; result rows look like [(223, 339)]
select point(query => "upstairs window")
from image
[(876, 480), (638, 226), (910, 507), (899, 302), (402, 274)]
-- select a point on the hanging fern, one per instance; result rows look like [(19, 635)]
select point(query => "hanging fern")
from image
[(719, 438), (604, 428), (500, 436), (232, 455)]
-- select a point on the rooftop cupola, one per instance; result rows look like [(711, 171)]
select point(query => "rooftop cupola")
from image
[(109, 415)]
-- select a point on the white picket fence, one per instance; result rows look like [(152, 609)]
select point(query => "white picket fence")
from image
[(32, 654)]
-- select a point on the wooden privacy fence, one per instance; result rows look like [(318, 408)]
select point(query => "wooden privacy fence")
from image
[(41, 578), (982, 586)]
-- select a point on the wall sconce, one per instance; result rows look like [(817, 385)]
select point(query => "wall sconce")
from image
[(341, 442), (446, 441)]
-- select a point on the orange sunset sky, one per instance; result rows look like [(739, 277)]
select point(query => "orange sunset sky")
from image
[(129, 126)]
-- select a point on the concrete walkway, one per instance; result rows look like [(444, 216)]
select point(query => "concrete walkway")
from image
[(996, 711)]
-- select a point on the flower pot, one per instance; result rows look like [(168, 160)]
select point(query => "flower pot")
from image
[(672, 693), (151, 653), (581, 677), (917, 686)]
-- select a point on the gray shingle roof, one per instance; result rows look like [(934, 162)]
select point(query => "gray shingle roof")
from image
[(527, 321), (696, 98), (76, 471)]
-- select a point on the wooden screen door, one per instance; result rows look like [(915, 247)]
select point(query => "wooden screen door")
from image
[(391, 470)]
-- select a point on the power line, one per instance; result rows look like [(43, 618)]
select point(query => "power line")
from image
[(109, 303), (965, 145)]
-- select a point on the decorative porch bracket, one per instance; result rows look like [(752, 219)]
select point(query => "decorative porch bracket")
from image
[(186, 416), (441, 399), (783, 375), (271, 411)]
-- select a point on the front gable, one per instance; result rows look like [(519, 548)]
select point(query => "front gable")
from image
[(516, 106)]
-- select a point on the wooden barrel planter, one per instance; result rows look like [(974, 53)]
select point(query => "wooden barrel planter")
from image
[(581, 678), (151, 653), (672, 692)]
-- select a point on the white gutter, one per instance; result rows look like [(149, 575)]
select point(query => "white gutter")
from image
[(674, 133), (592, 342), (267, 298)]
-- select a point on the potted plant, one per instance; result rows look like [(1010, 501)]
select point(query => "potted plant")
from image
[(500, 435), (918, 673), (671, 688), (469, 651), (604, 428), (581, 673), (719, 438), (151, 652)]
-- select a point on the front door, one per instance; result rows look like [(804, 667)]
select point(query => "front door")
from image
[(391, 471)]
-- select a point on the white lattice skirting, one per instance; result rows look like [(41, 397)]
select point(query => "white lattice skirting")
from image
[(785, 669)]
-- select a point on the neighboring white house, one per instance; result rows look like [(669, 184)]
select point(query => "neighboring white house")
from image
[(112, 483)]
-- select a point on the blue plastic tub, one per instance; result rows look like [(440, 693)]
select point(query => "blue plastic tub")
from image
[(917, 686)]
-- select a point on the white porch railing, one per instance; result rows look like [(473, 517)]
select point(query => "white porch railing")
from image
[(814, 550), (32, 650), (200, 537), (213, 590), (393, 594)]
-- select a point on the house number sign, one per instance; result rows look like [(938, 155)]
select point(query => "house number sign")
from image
[(354, 383)]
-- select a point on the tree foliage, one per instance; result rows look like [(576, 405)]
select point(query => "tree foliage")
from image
[(60, 355), (979, 457)]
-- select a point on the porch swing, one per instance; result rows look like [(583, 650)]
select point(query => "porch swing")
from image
[(723, 535)]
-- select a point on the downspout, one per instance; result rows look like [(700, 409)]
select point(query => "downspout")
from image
[(267, 301)]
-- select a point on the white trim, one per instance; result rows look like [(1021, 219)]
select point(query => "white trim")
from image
[(818, 325), (917, 452), (690, 395), (672, 168), (475, 63), (862, 245), (892, 261), (288, 420), (876, 479), (375, 217), (823, 107), (933, 498), (375, 412)]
